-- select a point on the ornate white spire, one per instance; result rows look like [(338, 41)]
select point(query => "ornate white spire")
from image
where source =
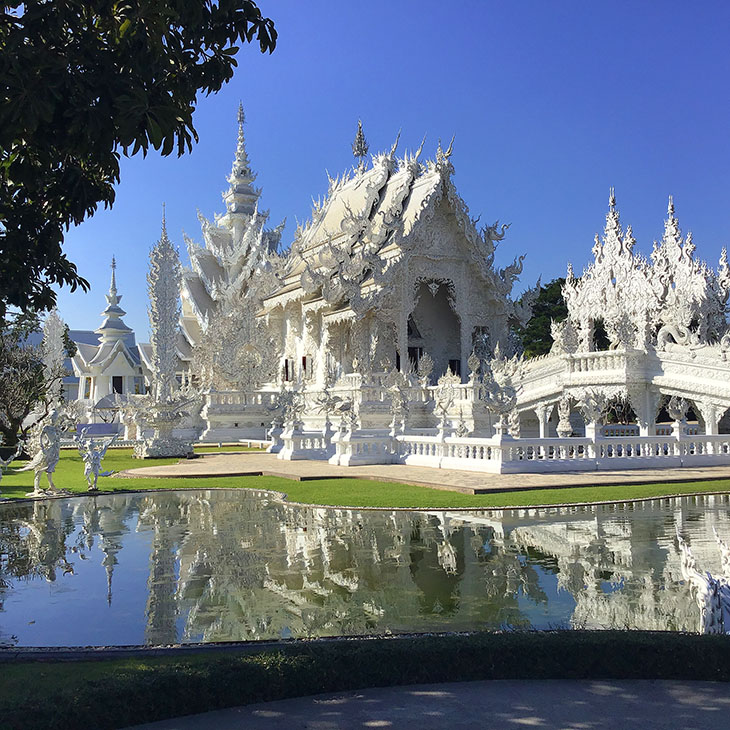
[(360, 146), (443, 157), (113, 328), (241, 197), (163, 286), (113, 285)]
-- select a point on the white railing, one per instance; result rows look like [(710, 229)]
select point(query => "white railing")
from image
[(588, 362), (508, 455), (239, 398)]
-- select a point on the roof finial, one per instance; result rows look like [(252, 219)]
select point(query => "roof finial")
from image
[(420, 149), (240, 162), (441, 156), (395, 144), (450, 149), (670, 207), (612, 199), (113, 285), (164, 221), (360, 146)]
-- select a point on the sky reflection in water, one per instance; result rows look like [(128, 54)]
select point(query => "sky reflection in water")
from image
[(231, 565)]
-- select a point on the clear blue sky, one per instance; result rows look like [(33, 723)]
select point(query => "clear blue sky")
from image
[(551, 102)]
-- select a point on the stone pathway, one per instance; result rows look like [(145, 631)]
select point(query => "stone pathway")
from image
[(492, 705), (469, 482)]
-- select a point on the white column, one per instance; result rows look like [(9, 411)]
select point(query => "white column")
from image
[(543, 413), (403, 341), (465, 330), (709, 413)]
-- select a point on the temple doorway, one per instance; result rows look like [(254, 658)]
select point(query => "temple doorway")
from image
[(433, 328)]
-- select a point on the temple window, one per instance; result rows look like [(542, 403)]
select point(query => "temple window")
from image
[(117, 384), (289, 369), (455, 366), (306, 366)]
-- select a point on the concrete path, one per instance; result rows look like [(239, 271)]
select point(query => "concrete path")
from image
[(469, 482), (493, 705)]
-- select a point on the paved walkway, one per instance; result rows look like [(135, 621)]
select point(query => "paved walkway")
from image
[(469, 482), (493, 705)]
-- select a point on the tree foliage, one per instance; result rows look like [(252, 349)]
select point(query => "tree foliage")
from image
[(550, 305), (25, 381), (85, 81)]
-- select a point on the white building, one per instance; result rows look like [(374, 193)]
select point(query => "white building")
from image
[(108, 361)]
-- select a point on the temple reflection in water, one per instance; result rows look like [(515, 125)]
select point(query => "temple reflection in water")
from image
[(230, 565)]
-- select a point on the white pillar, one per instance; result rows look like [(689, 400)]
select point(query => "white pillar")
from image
[(709, 413), (465, 330), (543, 413), (403, 342)]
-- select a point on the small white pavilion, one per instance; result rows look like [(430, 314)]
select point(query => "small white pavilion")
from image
[(108, 360)]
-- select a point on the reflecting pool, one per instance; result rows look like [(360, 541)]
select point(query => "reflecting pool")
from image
[(228, 565)]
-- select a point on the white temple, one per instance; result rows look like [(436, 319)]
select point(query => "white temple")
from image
[(385, 334), (108, 362)]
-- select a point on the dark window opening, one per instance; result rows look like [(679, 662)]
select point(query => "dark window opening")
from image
[(414, 355), (455, 366), (117, 384)]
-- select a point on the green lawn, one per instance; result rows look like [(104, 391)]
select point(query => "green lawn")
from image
[(343, 492)]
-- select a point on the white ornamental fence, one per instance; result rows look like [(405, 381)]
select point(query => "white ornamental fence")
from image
[(503, 454)]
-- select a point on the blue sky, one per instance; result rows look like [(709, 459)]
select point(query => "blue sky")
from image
[(551, 104)]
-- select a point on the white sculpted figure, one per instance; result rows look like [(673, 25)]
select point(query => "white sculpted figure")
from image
[(711, 594), (564, 429), (46, 443), (92, 452)]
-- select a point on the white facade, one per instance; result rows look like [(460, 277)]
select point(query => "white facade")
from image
[(385, 334), (108, 361)]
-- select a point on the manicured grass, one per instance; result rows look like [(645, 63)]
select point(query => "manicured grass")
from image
[(344, 492), (361, 493), (121, 692)]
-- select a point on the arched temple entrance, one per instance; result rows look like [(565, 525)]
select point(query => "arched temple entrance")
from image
[(434, 328)]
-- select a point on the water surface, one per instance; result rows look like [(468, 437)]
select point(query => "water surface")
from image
[(229, 565)]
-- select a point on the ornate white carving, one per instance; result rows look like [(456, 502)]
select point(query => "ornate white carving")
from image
[(163, 409), (564, 428), (92, 452), (44, 444), (674, 294), (591, 404)]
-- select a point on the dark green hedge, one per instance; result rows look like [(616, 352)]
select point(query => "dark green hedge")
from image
[(120, 692)]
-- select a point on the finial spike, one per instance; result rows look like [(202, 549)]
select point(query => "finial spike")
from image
[(420, 149), (113, 285), (450, 149), (612, 199), (360, 146), (441, 156), (670, 207), (241, 115), (395, 144)]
